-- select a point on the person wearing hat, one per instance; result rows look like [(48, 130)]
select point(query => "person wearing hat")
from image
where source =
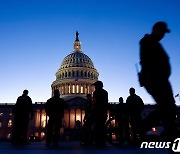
[(100, 103), (154, 76)]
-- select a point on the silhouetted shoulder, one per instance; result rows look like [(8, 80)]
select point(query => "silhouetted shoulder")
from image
[(49, 100), (128, 99), (62, 100), (147, 39), (138, 97), (105, 91)]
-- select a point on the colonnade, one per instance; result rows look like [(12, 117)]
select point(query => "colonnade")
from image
[(74, 88), (71, 117)]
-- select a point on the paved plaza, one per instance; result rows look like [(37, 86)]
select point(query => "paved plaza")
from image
[(74, 148)]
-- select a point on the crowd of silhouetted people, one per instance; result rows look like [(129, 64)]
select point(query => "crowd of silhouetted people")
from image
[(153, 77)]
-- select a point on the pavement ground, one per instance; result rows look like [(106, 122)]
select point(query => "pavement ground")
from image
[(74, 148)]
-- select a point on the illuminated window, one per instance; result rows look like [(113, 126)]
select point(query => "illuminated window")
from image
[(66, 119), (9, 136), (72, 118), (10, 114), (42, 135), (69, 89), (82, 89), (43, 119), (10, 123), (78, 115), (37, 122), (77, 89), (73, 89), (1, 114), (83, 114), (36, 134)]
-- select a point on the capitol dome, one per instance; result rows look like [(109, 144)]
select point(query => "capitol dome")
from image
[(76, 74), (77, 59)]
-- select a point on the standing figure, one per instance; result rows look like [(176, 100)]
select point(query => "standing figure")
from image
[(123, 122), (55, 110), (120, 119), (154, 76), (88, 132), (100, 102), (23, 112), (135, 107)]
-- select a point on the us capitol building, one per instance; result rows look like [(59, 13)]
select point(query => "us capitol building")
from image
[(76, 74), (74, 80)]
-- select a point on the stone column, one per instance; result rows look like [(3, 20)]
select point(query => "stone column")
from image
[(75, 88), (81, 117), (75, 118), (40, 117), (79, 88), (84, 85), (64, 89), (71, 88)]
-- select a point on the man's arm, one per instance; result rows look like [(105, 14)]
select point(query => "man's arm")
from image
[(31, 110)]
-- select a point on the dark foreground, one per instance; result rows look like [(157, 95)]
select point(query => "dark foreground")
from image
[(73, 148)]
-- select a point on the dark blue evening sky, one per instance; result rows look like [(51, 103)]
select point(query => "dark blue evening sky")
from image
[(35, 36)]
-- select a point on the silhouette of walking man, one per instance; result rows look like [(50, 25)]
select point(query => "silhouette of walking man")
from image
[(23, 112), (100, 102), (55, 110), (135, 107), (154, 75)]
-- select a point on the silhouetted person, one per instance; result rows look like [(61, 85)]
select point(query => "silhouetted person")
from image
[(120, 119), (123, 121), (88, 134), (154, 77), (88, 107), (55, 110), (100, 102), (23, 112), (135, 107)]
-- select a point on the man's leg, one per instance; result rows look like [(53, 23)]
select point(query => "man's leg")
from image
[(49, 132), (163, 95), (56, 134)]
